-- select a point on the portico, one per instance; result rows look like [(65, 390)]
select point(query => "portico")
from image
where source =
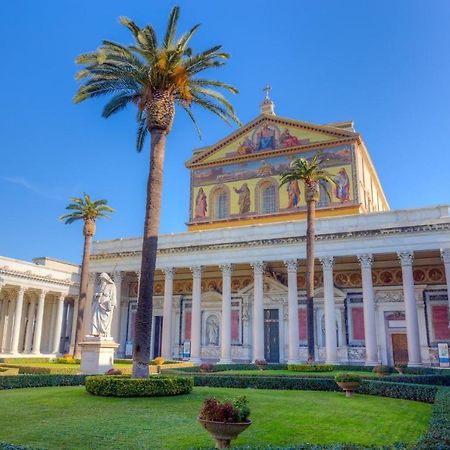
[(253, 290), (37, 307)]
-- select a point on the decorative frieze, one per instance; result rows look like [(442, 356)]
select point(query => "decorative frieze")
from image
[(288, 241)]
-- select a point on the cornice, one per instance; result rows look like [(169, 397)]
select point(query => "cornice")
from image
[(280, 241), (277, 152), (344, 134), (29, 275)]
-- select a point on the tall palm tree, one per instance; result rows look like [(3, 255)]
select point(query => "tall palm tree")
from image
[(156, 78), (88, 211), (310, 172)]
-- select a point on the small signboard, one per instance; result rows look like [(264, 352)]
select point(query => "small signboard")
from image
[(187, 349), (443, 354), (129, 348)]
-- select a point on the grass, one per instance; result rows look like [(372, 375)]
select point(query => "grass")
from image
[(68, 417)]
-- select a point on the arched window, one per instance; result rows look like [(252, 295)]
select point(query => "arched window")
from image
[(220, 202), (268, 199), (221, 205)]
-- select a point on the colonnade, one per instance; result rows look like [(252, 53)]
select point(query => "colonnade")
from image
[(22, 321), (370, 331)]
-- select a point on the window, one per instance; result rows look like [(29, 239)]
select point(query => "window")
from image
[(268, 202), (221, 204)]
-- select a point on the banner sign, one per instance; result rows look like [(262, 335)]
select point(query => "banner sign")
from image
[(187, 349), (443, 354)]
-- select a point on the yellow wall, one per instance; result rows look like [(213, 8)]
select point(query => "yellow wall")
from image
[(283, 195)]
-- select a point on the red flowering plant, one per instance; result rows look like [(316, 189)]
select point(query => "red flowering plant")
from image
[(230, 411), (206, 367), (114, 372), (261, 364)]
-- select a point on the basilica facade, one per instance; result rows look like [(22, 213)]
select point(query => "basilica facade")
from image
[(232, 287)]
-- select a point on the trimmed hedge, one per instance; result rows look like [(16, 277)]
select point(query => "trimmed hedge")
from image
[(311, 367), (29, 381), (24, 360), (422, 393), (438, 433), (36, 370), (154, 386), (226, 367), (435, 379)]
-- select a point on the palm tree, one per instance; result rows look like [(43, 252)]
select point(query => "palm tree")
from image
[(88, 211), (310, 172), (156, 78)]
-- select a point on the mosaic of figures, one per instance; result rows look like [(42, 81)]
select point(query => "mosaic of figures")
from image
[(265, 167), (342, 279), (268, 137)]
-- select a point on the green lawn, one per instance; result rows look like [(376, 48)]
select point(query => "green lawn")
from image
[(69, 418)]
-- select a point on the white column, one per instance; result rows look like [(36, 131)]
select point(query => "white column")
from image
[(166, 345), (445, 254), (196, 314), (293, 340), (225, 331), (17, 320), (115, 326), (30, 326), (74, 325), (370, 331), (38, 325), (330, 310), (258, 311), (58, 324), (412, 322), (9, 326), (3, 315)]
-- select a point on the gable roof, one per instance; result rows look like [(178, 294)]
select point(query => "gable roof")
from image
[(336, 134)]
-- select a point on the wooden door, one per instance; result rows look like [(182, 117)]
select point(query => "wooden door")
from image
[(399, 348)]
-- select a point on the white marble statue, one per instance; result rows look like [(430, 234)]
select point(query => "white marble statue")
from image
[(212, 330), (103, 306)]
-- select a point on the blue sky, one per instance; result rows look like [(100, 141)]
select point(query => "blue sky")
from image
[(384, 64)]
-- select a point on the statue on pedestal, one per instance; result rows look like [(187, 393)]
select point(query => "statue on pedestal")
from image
[(103, 307)]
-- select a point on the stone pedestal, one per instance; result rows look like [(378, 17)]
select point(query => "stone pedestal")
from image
[(97, 355)]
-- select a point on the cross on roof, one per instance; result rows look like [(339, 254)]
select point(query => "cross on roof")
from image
[(266, 91)]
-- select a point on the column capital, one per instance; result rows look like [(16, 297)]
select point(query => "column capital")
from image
[(43, 293), (226, 269), (117, 276), (169, 272), (259, 267), (327, 262), (366, 260), (291, 265), (196, 271), (21, 290), (406, 258), (445, 255), (61, 297)]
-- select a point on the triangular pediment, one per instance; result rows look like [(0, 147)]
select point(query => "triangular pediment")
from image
[(266, 135), (271, 286)]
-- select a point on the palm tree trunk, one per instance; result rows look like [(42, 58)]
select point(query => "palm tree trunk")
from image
[(143, 321), (84, 280), (310, 236)]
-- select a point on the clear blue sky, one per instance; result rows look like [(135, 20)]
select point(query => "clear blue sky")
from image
[(384, 64)]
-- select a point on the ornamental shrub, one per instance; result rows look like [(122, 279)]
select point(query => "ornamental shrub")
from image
[(123, 386), (261, 363), (230, 411), (67, 359), (347, 378), (311, 367), (206, 367), (381, 370)]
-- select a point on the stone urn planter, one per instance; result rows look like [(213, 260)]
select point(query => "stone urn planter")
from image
[(349, 387), (224, 432), (348, 382)]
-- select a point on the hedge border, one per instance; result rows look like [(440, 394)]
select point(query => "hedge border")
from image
[(44, 380), (154, 386)]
